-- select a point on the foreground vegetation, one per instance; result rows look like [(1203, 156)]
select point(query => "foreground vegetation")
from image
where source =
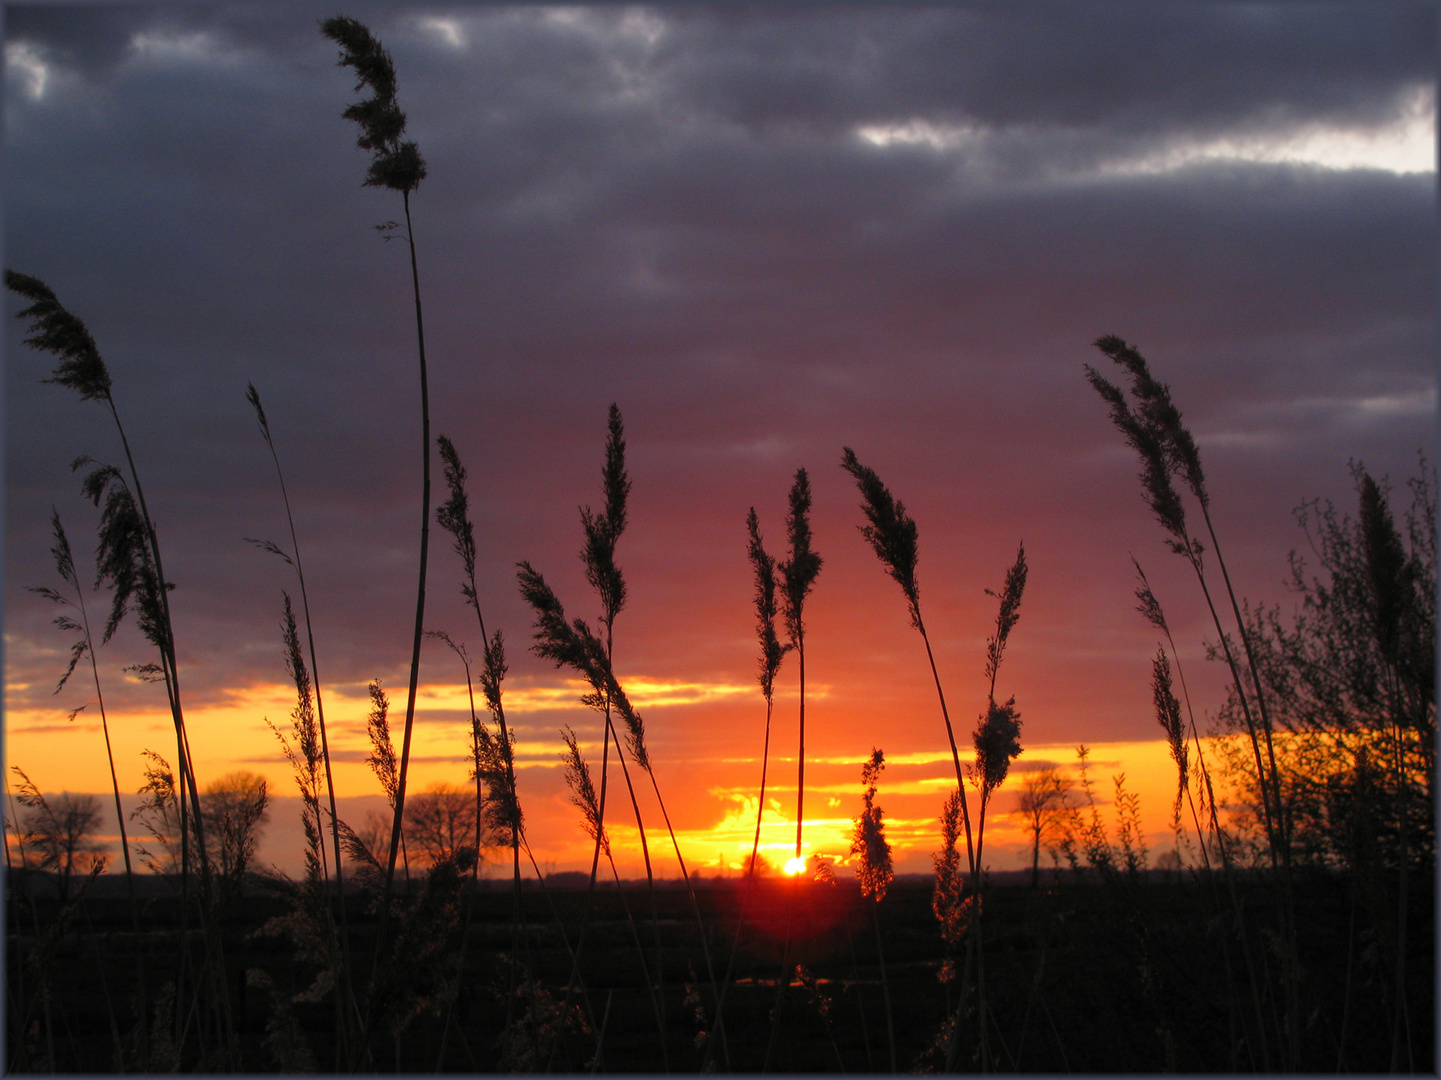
[(1292, 933)]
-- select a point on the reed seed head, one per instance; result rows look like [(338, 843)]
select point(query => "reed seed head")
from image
[(798, 573), (382, 760), (1008, 614), (1159, 412), (453, 516), (1150, 444), (772, 651), (1146, 602), (948, 894), (396, 165), (252, 395), (65, 567), (602, 531), (1168, 715), (573, 644), (998, 740), (891, 532), (122, 556), (54, 330), (868, 839), (582, 789)]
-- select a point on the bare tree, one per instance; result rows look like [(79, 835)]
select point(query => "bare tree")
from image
[(235, 807), (57, 834), (1043, 804), (440, 821)]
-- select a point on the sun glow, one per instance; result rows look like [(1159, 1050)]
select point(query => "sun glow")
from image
[(795, 866)]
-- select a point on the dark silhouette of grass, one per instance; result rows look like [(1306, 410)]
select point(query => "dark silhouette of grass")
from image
[(396, 164), (129, 563), (1168, 452), (345, 1001), (798, 575), (84, 645)]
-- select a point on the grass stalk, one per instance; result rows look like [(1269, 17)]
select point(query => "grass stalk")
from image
[(130, 561), (398, 166), (84, 645), (345, 1000), (1167, 451)]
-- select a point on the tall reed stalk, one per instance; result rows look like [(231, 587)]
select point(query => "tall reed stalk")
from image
[(129, 562), (84, 645), (1168, 452), (875, 871), (1168, 714), (345, 999), (396, 164), (798, 574), (772, 652), (894, 537), (454, 517), (573, 644)]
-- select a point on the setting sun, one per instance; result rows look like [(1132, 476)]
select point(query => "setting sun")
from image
[(795, 669)]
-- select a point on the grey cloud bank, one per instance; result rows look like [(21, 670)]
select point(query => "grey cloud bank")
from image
[(765, 232)]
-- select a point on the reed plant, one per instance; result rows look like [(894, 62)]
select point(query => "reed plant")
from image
[(1151, 425), (875, 870), (84, 646), (493, 755), (772, 652), (797, 576), (894, 537), (396, 165), (129, 564)]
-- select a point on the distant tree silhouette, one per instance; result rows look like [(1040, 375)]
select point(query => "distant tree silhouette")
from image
[(440, 821), (1042, 805), (57, 834)]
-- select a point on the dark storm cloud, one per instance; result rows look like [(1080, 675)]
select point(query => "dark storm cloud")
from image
[(1135, 67), (673, 209)]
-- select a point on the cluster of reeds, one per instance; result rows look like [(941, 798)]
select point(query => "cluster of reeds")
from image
[(1384, 578), (418, 950), (894, 537)]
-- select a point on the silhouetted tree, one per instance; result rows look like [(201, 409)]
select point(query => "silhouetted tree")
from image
[(57, 834), (1043, 805), (440, 822)]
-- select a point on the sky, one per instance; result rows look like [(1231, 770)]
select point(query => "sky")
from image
[(766, 232)]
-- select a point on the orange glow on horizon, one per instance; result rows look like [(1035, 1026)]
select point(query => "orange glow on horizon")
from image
[(709, 779)]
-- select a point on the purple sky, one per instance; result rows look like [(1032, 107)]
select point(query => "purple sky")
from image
[(767, 232)]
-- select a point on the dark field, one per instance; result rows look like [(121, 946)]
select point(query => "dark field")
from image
[(1129, 974)]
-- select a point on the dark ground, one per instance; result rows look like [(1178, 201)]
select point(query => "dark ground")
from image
[(1138, 975)]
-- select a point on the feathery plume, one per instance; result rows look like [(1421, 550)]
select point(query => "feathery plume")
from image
[(382, 755), (55, 330), (998, 741), (573, 644), (1159, 413), (453, 516), (1008, 615), (868, 839), (577, 778), (891, 532), (603, 530), (772, 651), (122, 557), (395, 164), (1168, 715), (1146, 602), (798, 573)]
